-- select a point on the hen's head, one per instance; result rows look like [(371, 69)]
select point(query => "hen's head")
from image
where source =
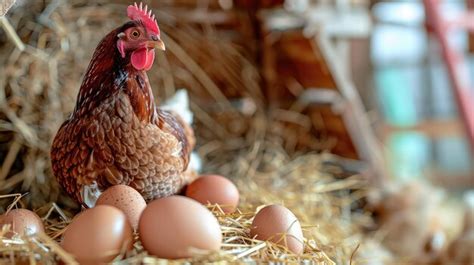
[(139, 38)]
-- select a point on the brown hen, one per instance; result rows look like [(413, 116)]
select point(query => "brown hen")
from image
[(116, 135)]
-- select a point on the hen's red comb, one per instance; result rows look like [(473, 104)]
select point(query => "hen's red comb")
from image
[(136, 12)]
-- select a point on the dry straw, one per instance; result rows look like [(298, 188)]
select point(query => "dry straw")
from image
[(237, 136)]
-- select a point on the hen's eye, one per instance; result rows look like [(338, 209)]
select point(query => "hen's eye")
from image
[(135, 34)]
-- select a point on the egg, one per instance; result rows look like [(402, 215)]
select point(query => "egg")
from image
[(126, 199), (214, 189), (277, 224), (22, 222), (97, 235), (178, 227)]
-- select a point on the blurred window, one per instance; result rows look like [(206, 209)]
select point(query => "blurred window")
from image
[(414, 92)]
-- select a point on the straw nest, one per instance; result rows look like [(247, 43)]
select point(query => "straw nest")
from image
[(237, 137)]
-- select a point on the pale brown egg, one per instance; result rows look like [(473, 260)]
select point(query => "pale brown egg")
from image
[(97, 235), (214, 189), (22, 222), (277, 224), (178, 227), (126, 199)]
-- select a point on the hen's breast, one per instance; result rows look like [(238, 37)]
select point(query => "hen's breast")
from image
[(111, 145)]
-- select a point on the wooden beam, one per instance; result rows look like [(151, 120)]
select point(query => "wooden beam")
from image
[(452, 181), (431, 128)]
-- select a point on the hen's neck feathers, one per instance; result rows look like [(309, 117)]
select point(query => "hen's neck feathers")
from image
[(108, 73)]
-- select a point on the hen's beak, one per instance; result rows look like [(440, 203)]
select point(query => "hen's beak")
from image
[(156, 44)]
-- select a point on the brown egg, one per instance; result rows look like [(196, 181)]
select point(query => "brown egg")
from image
[(97, 235), (214, 189), (22, 222), (126, 199), (277, 224), (177, 227)]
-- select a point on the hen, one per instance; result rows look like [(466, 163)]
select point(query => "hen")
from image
[(116, 134)]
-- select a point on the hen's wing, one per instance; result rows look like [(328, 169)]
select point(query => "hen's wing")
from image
[(173, 124)]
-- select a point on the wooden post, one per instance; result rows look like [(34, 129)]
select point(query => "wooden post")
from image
[(354, 114)]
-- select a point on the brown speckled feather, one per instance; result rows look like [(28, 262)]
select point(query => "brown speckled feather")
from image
[(117, 136)]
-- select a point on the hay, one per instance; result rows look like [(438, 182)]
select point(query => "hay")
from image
[(237, 136)]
